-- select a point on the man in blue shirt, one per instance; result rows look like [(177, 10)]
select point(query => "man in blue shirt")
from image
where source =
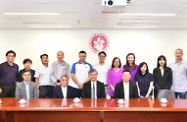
[(179, 75), (59, 68)]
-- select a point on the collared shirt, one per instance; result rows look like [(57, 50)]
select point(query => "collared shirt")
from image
[(162, 71), (102, 72), (60, 72), (179, 71), (64, 91), (81, 72), (27, 89), (126, 90), (43, 73), (95, 86), (60, 69), (8, 74)]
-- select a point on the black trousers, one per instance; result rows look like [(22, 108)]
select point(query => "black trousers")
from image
[(46, 91), (8, 91), (155, 93), (77, 92)]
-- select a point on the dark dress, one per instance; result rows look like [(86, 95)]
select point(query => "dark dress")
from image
[(144, 82)]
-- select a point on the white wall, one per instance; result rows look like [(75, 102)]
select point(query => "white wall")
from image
[(146, 44)]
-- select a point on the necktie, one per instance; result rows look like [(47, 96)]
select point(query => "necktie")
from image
[(93, 92)]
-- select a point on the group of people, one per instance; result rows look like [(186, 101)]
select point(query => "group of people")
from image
[(92, 81)]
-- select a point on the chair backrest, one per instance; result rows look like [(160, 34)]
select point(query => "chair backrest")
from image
[(165, 93)]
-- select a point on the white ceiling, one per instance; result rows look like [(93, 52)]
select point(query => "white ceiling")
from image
[(88, 14)]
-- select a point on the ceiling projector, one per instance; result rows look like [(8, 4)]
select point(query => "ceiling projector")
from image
[(114, 5), (111, 3)]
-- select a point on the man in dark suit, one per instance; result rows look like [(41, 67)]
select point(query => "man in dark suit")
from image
[(93, 88), (64, 91), (126, 89)]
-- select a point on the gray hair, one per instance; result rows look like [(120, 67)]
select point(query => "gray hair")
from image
[(179, 49), (93, 70)]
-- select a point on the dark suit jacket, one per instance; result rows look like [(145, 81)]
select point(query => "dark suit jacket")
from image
[(21, 72), (119, 90), (162, 82), (57, 92), (86, 90)]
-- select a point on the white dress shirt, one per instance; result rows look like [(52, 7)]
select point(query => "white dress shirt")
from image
[(43, 73), (102, 72), (162, 71), (95, 85), (64, 91), (126, 90)]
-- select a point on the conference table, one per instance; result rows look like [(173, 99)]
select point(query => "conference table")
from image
[(92, 110)]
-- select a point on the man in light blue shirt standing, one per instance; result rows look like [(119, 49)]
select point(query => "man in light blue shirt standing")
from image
[(179, 71), (59, 68), (42, 78)]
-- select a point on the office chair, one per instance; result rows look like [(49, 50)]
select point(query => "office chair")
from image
[(165, 93)]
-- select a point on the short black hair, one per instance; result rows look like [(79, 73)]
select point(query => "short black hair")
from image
[(27, 60), (82, 51), (126, 71), (102, 52), (141, 65), (11, 51), (43, 55), (24, 71)]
